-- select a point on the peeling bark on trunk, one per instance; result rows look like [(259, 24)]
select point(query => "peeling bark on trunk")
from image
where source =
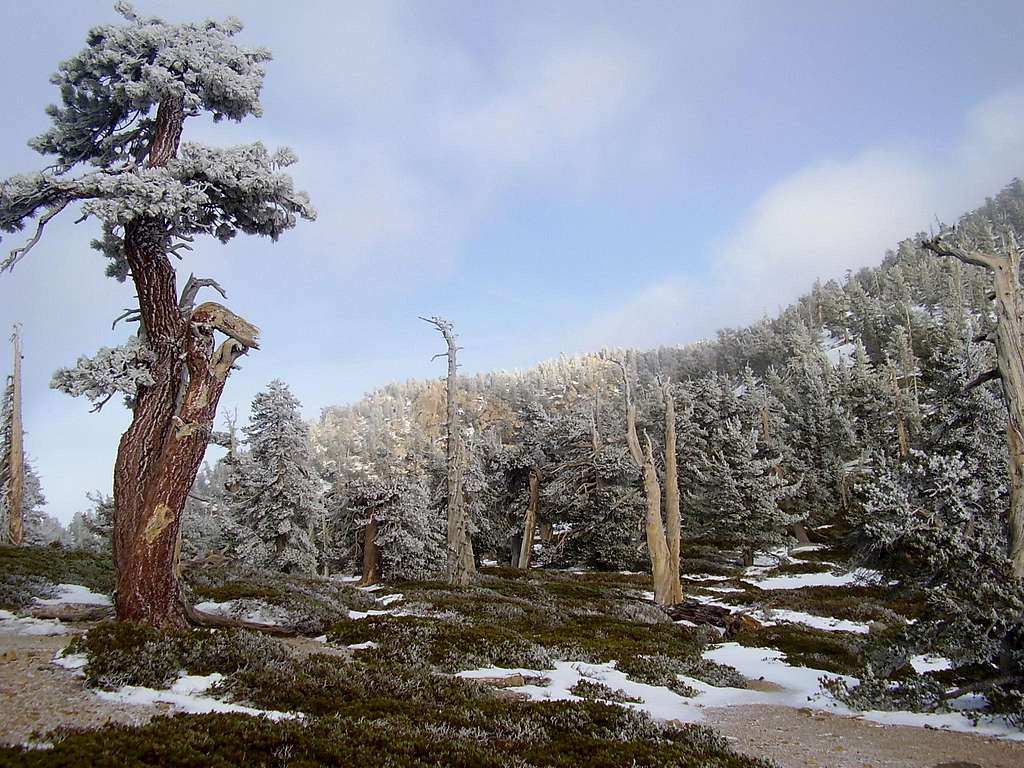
[(16, 460), (673, 525), (371, 553), (529, 527), (160, 453), (461, 565), (664, 564), (661, 570), (1010, 368)]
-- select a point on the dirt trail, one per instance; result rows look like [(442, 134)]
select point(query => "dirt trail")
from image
[(37, 696), (798, 738)]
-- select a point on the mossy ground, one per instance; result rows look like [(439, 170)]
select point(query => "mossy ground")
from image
[(397, 703)]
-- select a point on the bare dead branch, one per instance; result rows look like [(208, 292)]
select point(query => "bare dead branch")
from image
[(19, 253), (192, 288), (941, 246), (127, 316), (99, 406), (980, 379)]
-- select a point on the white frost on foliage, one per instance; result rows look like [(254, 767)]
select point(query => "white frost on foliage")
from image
[(112, 370)]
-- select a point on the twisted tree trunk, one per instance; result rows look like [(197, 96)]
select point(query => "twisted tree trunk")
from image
[(1005, 269), (159, 455), (664, 557)]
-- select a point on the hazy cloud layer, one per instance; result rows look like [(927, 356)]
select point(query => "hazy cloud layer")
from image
[(822, 220)]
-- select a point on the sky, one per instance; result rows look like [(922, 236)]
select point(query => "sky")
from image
[(552, 177)]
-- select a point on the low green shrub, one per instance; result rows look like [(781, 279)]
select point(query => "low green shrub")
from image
[(30, 572)]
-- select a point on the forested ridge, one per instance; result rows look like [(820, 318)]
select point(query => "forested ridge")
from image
[(812, 417)]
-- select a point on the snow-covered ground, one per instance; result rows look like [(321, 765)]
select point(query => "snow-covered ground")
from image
[(26, 625), (75, 594), (778, 684), (185, 695), (822, 579), (248, 610)]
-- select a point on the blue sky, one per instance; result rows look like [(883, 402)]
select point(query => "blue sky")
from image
[(553, 177)]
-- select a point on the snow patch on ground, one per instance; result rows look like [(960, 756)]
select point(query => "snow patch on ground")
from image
[(356, 615), (185, 696), (827, 623), (783, 684), (75, 594), (362, 646), (74, 662), (925, 663), (807, 548), (389, 599), (26, 625), (825, 579)]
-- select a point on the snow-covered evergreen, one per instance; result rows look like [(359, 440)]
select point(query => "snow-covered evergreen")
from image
[(281, 496)]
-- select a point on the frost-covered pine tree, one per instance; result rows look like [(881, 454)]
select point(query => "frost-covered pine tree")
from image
[(37, 526), (91, 529), (408, 532), (281, 499), (115, 153)]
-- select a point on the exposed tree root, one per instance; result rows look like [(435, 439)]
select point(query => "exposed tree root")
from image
[(203, 619)]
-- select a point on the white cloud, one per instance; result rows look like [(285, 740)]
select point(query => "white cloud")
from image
[(547, 110), (822, 220)]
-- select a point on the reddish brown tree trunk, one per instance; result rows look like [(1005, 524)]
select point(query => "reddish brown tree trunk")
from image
[(160, 453)]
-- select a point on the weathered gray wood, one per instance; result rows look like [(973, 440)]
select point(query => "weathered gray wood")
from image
[(1005, 267), (530, 523), (664, 565), (16, 459), (461, 564)]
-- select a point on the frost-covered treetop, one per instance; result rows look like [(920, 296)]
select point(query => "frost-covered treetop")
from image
[(110, 89), (112, 93)]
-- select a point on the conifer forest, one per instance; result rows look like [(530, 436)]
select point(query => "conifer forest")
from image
[(683, 443)]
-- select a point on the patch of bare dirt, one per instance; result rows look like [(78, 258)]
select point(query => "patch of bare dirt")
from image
[(798, 738), (37, 696)]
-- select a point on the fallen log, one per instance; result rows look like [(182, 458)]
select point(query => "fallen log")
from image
[(694, 612), (72, 612)]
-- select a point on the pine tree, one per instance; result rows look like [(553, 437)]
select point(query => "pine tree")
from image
[(115, 154), (281, 494)]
